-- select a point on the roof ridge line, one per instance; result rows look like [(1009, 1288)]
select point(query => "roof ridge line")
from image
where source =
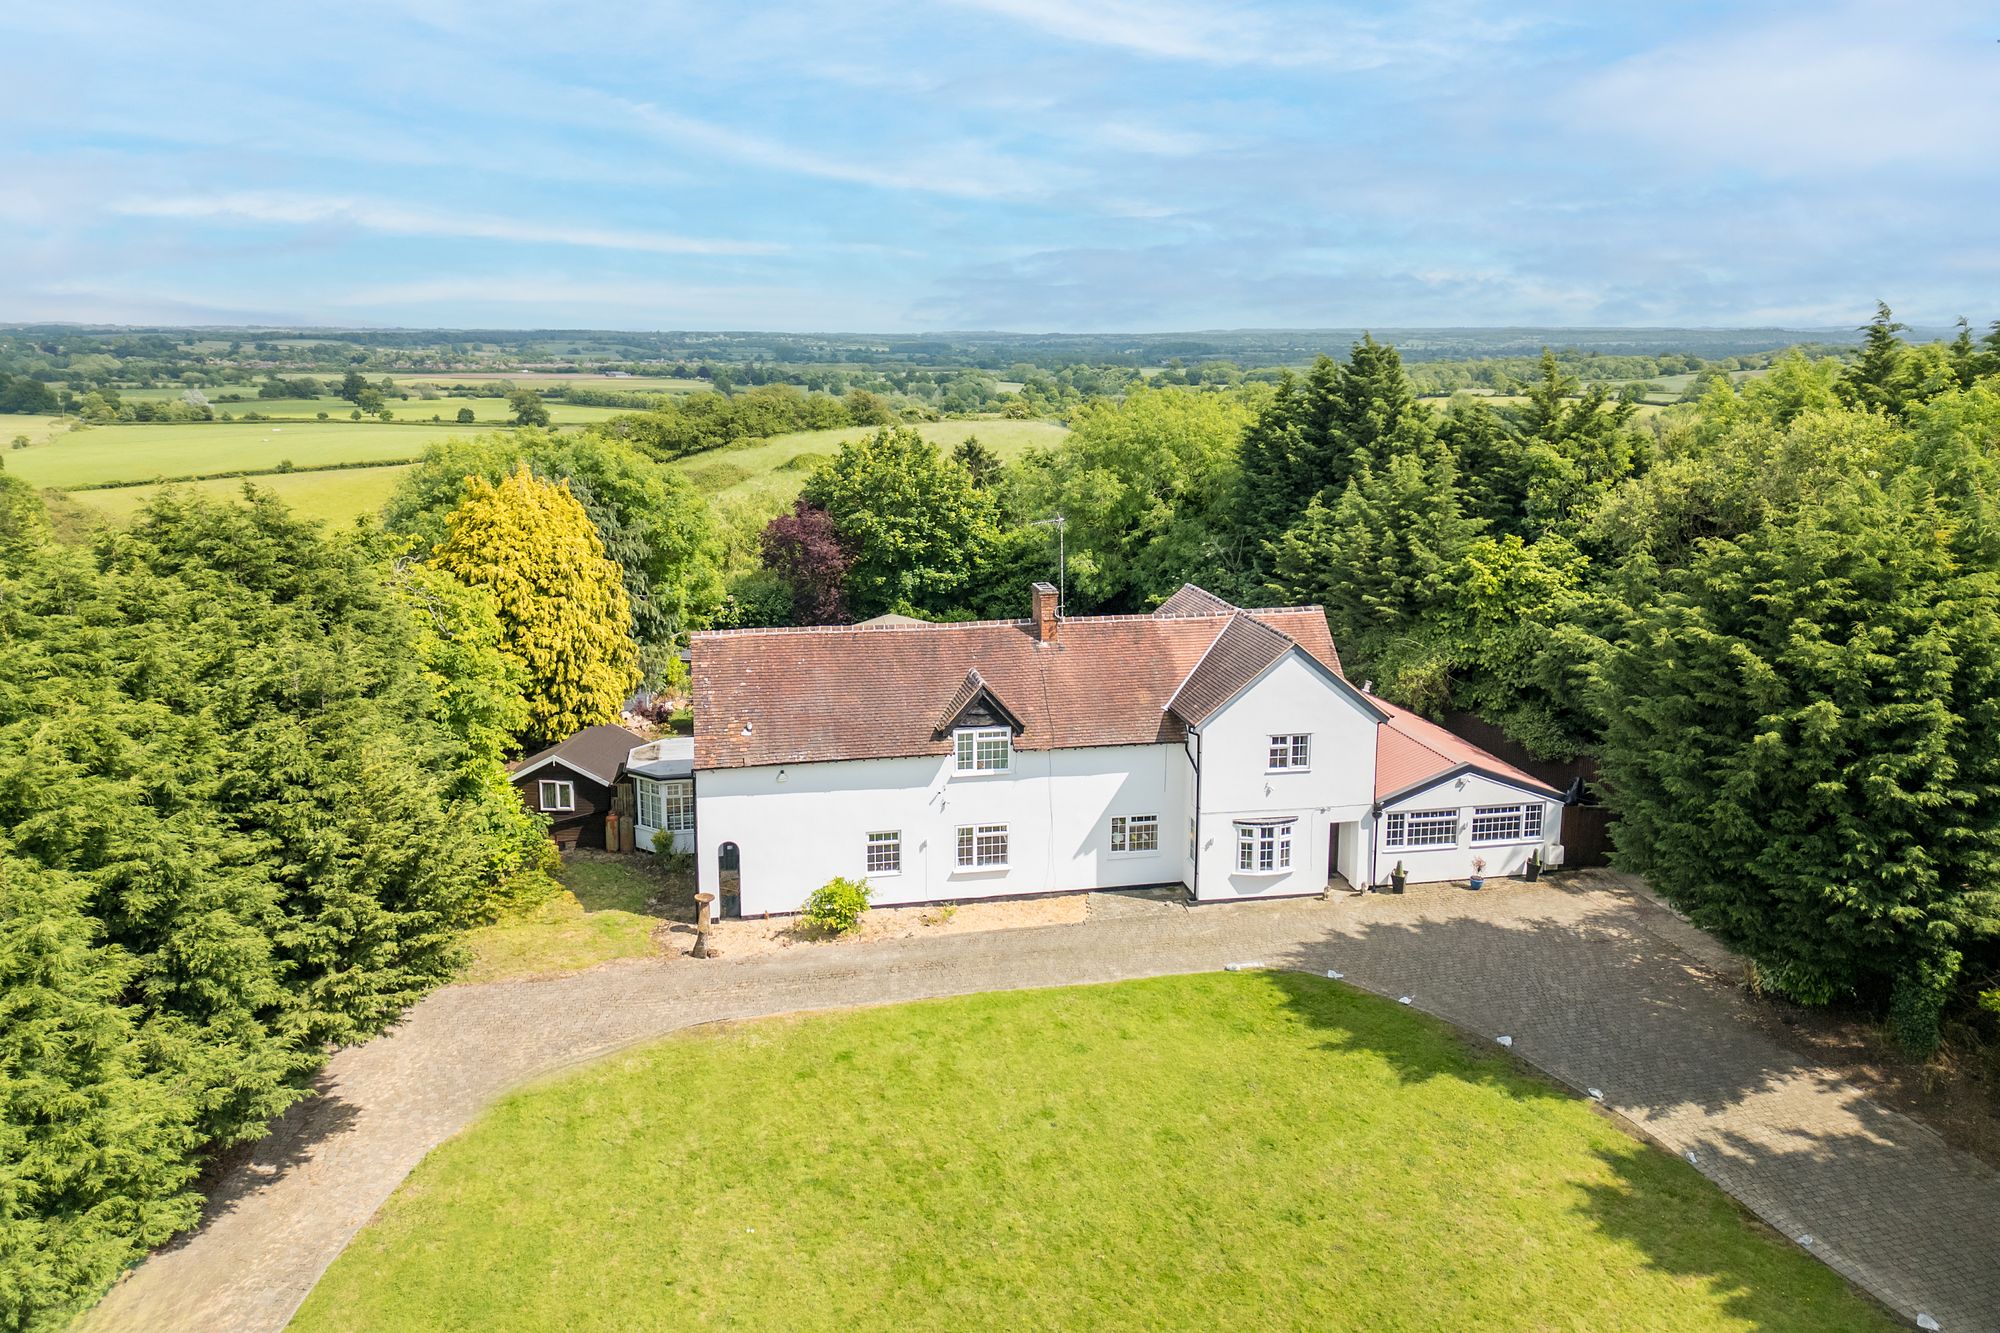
[(1194, 670)]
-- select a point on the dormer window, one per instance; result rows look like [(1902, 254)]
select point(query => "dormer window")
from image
[(984, 749)]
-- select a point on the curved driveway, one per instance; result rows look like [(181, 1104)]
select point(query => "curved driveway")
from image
[(1597, 986)]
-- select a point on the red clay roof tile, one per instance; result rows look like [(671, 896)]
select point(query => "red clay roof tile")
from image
[(794, 696)]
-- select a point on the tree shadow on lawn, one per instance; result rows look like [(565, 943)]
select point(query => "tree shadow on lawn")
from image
[(1600, 1003), (628, 882)]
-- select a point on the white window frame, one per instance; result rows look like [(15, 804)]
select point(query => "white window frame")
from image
[(1289, 752), (677, 804), (967, 744), (652, 801), (1127, 831), (550, 805), (973, 844), (1506, 837), (1264, 847), (889, 843), (1533, 820), (1399, 835)]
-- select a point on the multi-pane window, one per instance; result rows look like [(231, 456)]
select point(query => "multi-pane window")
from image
[(1531, 820), (665, 805), (984, 750), (1264, 847), (982, 846), (558, 796), (1420, 828), (677, 805), (1503, 823), (1291, 751), (885, 853), (1135, 833)]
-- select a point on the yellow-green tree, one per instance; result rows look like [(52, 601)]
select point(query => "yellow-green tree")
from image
[(563, 611)]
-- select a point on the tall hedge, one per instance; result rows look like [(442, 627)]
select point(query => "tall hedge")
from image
[(242, 826)]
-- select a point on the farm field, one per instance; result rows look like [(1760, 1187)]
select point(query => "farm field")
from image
[(1222, 1150), (37, 429), (542, 379), (337, 498), (485, 411), (148, 452), (770, 472)]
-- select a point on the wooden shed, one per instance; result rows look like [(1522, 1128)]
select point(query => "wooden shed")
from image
[(572, 782)]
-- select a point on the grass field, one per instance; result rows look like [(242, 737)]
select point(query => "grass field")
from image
[(37, 429), (486, 411), (770, 472), (601, 915), (146, 452), (332, 497), (1225, 1150), (540, 379)]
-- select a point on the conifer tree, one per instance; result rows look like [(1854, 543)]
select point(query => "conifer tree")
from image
[(1380, 559), (1803, 742), (561, 602), (1874, 381), (94, 1156)]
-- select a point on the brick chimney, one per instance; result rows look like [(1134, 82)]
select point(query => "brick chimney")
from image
[(1046, 620)]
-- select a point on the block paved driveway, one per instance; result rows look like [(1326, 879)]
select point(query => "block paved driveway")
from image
[(1597, 985)]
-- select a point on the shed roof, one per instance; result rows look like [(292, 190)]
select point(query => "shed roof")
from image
[(596, 752)]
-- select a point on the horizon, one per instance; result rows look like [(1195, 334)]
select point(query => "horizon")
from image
[(996, 165)]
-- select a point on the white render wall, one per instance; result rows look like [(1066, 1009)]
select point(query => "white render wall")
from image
[(1236, 783), (799, 825), (1464, 794)]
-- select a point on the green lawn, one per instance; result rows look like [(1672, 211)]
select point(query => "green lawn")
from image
[(1237, 1150), (770, 472), (146, 452), (602, 914), (333, 497)]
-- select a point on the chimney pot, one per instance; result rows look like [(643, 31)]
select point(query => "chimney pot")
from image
[(1046, 620)]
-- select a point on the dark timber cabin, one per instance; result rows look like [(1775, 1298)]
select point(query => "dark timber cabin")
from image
[(571, 783)]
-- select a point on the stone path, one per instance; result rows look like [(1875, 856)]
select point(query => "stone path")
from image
[(1596, 984)]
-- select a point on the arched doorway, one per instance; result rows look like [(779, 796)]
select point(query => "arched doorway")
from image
[(729, 868)]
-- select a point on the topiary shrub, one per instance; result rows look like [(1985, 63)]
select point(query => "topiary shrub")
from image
[(836, 906)]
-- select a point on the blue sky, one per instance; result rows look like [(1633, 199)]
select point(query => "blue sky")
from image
[(999, 164)]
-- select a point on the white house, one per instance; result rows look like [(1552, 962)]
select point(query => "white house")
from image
[(1203, 745)]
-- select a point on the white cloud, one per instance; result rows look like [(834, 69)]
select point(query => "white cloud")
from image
[(1861, 85), (1222, 34), (992, 176), (394, 219)]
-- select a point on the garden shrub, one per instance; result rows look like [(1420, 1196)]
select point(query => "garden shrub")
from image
[(836, 906)]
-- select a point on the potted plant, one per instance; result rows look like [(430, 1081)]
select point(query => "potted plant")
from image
[(1478, 872), (1534, 870), (1398, 878)]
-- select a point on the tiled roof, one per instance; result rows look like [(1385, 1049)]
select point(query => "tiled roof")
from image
[(1241, 653), (798, 696), (596, 752), (1193, 601), (1410, 750)]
